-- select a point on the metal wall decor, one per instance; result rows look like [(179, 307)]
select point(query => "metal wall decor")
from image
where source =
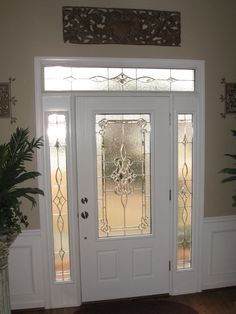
[(229, 98), (87, 25), (7, 100)]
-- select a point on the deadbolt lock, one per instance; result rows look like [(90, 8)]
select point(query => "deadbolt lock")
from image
[(84, 215)]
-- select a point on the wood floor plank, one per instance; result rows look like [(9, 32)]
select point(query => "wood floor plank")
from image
[(219, 301)]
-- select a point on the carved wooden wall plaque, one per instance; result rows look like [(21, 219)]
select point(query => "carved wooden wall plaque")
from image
[(86, 25), (229, 98), (7, 100), (5, 108)]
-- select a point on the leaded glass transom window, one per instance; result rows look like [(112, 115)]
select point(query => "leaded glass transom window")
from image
[(185, 190), (61, 78), (57, 139), (123, 174)]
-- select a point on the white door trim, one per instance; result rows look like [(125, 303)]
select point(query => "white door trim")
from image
[(54, 291)]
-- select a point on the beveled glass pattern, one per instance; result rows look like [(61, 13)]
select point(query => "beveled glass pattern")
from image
[(123, 174), (185, 190), (59, 78), (57, 149)]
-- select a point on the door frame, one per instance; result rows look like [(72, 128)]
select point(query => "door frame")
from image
[(54, 291)]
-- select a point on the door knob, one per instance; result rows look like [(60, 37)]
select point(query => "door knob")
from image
[(84, 215)]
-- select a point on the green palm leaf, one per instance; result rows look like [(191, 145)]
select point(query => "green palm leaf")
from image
[(14, 157), (230, 171), (234, 200), (233, 178), (230, 155), (27, 176)]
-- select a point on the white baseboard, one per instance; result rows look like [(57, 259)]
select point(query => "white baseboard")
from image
[(26, 271), (219, 252)]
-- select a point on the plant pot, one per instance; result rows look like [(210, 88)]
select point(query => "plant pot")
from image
[(5, 243)]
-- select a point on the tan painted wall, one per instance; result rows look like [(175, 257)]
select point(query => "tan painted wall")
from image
[(30, 28)]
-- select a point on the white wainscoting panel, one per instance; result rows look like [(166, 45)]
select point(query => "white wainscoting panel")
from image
[(26, 268), (26, 271), (219, 252)]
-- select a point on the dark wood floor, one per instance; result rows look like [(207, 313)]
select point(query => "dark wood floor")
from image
[(220, 301)]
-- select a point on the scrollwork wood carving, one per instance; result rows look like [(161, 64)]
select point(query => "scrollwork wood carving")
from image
[(229, 98), (86, 25), (7, 100)]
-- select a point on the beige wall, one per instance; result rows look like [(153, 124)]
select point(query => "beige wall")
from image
[(30, 28)]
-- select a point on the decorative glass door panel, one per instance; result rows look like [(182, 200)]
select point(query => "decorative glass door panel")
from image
[(185, 190), (123, 174), (57, 143)]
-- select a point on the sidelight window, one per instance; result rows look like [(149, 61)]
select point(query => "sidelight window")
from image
[(57, 139), (185, 190)]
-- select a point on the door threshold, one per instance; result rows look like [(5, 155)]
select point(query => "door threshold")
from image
[(129, 299)]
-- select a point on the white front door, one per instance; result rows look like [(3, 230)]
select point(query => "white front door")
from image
[(123, 186)]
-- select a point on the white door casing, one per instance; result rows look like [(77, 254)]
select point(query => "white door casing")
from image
[(129, 266), (65, 294)]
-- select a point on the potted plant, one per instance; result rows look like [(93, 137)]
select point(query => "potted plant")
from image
[(14, 156), (230, 171)]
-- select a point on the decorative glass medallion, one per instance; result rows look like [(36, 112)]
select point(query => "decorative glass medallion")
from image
[(185, 190), (123, 174)]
